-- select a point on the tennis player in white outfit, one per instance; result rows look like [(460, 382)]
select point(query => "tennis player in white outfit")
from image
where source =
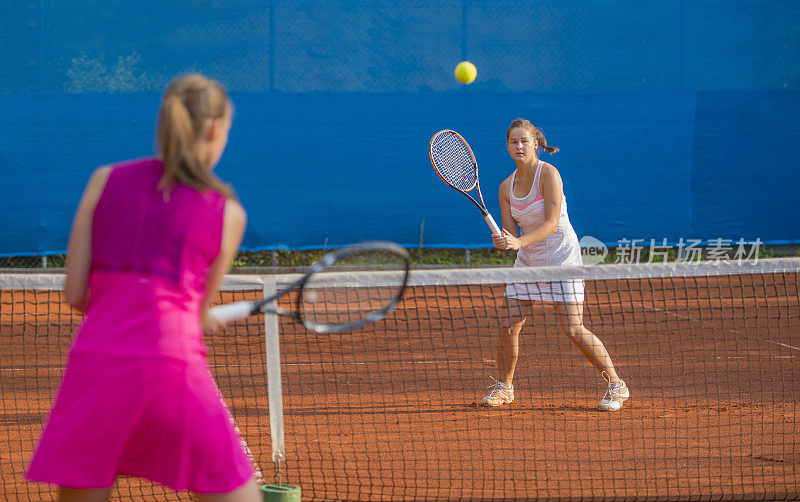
[(533, 198)]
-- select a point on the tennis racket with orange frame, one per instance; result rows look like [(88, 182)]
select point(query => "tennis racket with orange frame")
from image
[(454, 162)]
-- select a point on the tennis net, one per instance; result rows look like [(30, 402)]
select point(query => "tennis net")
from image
[(710, 352)]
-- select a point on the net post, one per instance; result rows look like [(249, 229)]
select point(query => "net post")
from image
[(274, 389)]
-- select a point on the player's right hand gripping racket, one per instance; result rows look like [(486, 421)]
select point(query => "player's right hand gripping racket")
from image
[(330, 297), (455, 163)]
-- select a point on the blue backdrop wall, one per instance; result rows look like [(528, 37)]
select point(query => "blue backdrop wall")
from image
[(675, 120)]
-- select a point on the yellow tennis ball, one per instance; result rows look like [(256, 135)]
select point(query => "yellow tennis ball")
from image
[(466, 72)]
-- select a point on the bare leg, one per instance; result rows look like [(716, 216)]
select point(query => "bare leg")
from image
[(248, 492), (508, 340), (72, 495), (570, 317)]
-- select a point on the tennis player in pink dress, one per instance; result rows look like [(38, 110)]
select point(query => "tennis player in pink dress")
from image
[(533, 199), (150, 244)]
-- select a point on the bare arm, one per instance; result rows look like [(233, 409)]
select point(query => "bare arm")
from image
[(553, 191), (233, 226), (79, 248), (509, 226)]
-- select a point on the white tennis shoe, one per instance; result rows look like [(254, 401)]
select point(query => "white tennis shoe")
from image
[(616, 393), (501, 394)]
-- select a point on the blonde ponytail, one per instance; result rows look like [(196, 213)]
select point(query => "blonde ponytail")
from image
[(185, 108)]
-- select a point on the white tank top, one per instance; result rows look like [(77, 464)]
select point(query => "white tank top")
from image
[(559, 248)]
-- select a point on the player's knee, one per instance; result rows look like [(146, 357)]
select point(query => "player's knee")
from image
[(575, 332), (514, 327), (507, 335)]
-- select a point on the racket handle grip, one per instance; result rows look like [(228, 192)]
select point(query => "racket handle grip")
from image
[(232, 311), (492, 224)]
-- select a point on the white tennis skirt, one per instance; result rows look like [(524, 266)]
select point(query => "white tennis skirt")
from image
[(556, 291)]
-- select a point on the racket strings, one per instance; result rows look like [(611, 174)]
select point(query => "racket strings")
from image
[(453, 162)]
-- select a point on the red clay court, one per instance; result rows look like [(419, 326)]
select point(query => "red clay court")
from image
[(388, 412)]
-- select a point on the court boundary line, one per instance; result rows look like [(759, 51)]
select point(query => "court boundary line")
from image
[(709, 324)]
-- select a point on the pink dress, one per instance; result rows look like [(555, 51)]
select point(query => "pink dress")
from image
[(138, 397), (559, 248)]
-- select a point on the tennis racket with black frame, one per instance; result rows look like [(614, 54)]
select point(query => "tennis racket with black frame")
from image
[(326, 302), (454, 162)]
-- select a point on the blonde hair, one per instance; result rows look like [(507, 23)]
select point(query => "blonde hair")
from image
[(536, 133), (188, 103)]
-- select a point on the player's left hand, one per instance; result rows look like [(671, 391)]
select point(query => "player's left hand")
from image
[(505, 241), (212, 325)]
